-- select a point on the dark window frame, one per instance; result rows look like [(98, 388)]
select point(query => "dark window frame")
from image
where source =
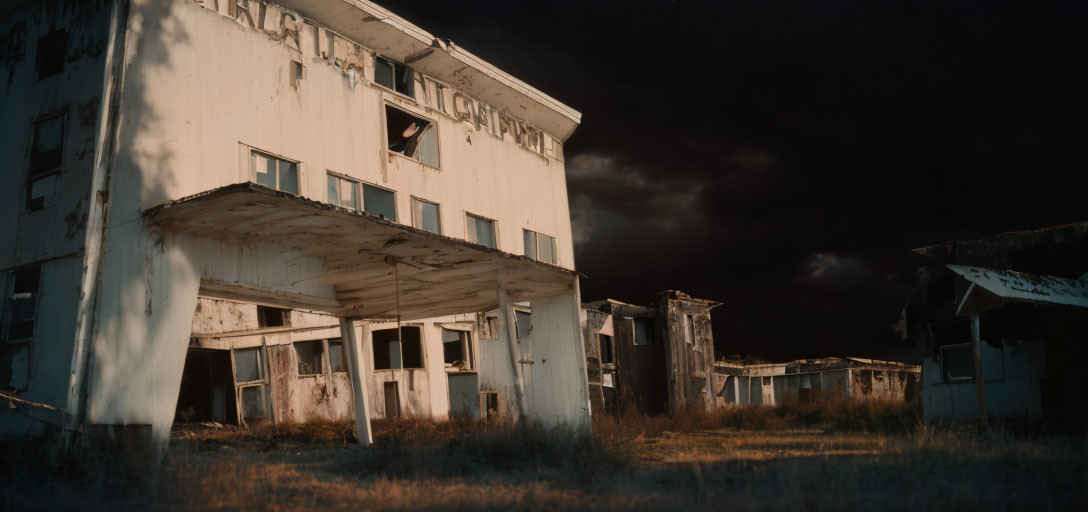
[(40, 166), (413, 146), (391, 192), (407, 79), (40, 55)]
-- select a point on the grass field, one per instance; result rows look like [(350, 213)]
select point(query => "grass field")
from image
[(689, 462)]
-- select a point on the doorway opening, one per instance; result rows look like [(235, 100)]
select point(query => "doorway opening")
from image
[(207, 388)]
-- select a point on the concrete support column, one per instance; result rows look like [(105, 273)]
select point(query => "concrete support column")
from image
[(354, 349), (507, 309)]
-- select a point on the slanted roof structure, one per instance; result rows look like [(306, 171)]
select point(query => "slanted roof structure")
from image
[(990, 288)]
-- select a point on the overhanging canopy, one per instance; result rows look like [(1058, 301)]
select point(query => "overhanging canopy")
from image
[(990, 288), (436, 275)]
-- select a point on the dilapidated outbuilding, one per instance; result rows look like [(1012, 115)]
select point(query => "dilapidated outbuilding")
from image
[(1001, 323), (650, 358), (851, 377)]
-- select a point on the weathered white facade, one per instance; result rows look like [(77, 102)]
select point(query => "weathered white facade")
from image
[(200, 148)]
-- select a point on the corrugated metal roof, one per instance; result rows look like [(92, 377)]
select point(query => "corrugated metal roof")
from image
[(1009, 285)]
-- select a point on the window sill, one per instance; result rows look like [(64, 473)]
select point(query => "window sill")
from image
[(413, 160), (396, 370), (394, 92)]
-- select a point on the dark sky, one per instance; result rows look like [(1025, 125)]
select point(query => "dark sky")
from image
[(784, 156)]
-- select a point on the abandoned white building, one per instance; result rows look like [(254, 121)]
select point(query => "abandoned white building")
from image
[(652, 359), (852, 377), (1000, 323), (315, 155)]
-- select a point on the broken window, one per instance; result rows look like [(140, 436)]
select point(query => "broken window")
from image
[(274, 172), (457, 349), (337, 363), (394, 75), (380, 202), (524, 321), (45, 161), (22, 304), (606, 348), (541, 247), (247, 365), (268, 316), (389, 354), (51, 52), (254, 405), (489, 327), (958, 363), (309, 354), (481, 231), (19, 316), (411, 136), (425, 216), (642, 332), (489, 406), (343, 192)]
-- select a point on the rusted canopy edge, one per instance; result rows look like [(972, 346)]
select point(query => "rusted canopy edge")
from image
[(434, 275)]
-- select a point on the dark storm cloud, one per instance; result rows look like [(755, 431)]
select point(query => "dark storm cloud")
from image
[(784, 156)]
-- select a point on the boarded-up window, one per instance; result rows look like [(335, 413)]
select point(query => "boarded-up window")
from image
[(425, 216), (337, 363), (380, 202), (481, 230), (309, 355)]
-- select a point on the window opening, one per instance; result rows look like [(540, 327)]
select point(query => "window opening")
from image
[(337, 363), (51, 54), (387, 352), (394, 75), (343, 192), (274, 172), (425, 216), (481, 231), (457, 349), (642, 332), (411, 136), (524, 321), (380, 202), (309, 354), (541, 247), (46, 156), (606, 348), (268, 316), (958, 363)]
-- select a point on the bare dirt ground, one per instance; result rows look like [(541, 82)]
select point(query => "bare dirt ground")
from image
[(755, 459)]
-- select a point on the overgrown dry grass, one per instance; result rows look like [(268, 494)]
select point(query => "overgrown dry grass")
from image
[(845, 457)]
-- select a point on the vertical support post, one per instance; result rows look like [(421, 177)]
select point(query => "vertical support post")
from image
[(507, 309), (354, 349), (977, 343)]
